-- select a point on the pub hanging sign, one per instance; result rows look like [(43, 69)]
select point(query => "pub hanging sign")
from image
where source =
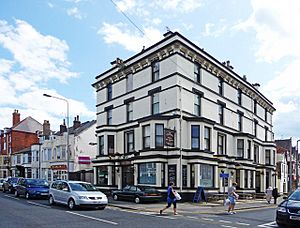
[(169, 137)]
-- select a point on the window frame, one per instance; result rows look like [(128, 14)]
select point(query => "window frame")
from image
[(109, 116), (154, 103), (268, 157), (152, 173), (221, 145), (240, 121), (221, 114), (207, 138), (128, 142), (109, 92), (101, 144), (129, 82), (197, 72), (129, 111), (239, 96), (240, 148), (110, 150), (197, 104), (159, 136), (146, 137), (155, 70), (197, 127), (221, 86)]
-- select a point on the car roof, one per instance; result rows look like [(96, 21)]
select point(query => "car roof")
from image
[(75, 182)]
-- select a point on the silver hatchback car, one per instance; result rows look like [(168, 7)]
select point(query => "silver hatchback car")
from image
[(76, 194)]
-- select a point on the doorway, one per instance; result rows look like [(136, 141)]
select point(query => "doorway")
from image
[(127, 175)]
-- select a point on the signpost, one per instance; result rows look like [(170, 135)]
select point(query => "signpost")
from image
[(224, 176)]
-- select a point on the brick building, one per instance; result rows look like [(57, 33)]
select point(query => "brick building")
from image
[(21, 135)]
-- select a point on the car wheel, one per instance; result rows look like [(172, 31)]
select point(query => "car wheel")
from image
[(115, 197), (11, 191), (27, 196), (16, 194), (51, 200), (137, 199), (4, 190), (71, 204)]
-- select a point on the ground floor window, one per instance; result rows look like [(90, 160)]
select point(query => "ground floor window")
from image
[(172, 174), (184, 175), (147, 173), (206, 175), (58, 175), (102, 175)]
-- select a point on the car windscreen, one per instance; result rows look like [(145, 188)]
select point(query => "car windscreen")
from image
[(147, 189), (295, 196), (83, 187), (37, 182)]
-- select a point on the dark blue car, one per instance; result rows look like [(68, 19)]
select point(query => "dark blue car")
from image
[(29, 188)]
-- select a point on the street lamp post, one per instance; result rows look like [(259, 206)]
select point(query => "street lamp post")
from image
[(68, 154)]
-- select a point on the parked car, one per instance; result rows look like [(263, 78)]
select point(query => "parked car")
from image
[(76, 194), (10, 184), (30, 187), (137, 194), (288, 211)]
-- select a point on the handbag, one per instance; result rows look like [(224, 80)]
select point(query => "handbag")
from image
[(227, 202), (177, 196)]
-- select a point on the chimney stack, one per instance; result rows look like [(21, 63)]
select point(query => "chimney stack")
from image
[(46, 129), (63, 127), (76, 123), (256, 85), (16, 117)]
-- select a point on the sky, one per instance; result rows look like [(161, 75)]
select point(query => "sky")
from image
[(58, 47)]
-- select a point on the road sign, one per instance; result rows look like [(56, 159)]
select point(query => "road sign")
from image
[(224, 175)]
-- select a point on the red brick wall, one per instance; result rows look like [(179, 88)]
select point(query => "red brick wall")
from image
[(21, 140)]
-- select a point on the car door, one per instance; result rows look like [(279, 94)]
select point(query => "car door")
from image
[(132, 192), (21, 187), (65, 192), (56, 191), (124, 194)]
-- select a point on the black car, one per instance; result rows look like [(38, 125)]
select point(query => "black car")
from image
[(10, 184), (137, 194), (288, 212)]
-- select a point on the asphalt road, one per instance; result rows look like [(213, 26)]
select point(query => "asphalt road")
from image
[(19, 212)]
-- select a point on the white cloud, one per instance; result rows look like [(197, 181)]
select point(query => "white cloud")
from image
[(275, 24), (126, 5), (50, 5), (132, 41), (75, 12), (181, 6), (37, 58), (214, 30)]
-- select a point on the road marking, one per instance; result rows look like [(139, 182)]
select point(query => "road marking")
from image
[(93, 218), (39, 204), (270, 224), (149, 214), (207, 219), (12, 197), (192, 217), (243, 224), (225, 221), (229, 226)]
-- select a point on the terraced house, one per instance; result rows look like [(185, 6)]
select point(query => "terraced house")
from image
[(175, 113)]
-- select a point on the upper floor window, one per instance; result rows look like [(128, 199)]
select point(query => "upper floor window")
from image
[(101, 145), (129, 82), (274, 157), (255, 107), (266, 115), (239, 96), (240, 148), (197, 72), (221, 144), (249, 150), (111, 144), (155, 103), (221, 86), (206, 138), (159, 135), (255, 128), (256, 154), (146, 137), (109, 117), (240, 121), (155, 71), (129, 111), (129, 139), (195, 137), (266, 133), (221, 114), (268, 157), (109, 91), (197, 105)]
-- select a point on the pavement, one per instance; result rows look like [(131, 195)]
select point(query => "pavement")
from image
[(215, 207)]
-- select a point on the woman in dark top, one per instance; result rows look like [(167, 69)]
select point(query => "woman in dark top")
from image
[(171, 199)]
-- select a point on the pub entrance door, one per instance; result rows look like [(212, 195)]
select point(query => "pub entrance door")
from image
[(127, 175)]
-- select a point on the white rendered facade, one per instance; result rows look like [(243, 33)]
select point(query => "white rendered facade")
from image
[(175, 85)]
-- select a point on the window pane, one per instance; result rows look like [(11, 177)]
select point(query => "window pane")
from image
[(206, 175), (147, 173)]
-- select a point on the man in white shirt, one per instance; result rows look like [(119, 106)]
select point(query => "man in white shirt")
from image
[(232, 196)]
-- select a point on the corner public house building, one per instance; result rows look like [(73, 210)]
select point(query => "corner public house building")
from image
[(175, 113)]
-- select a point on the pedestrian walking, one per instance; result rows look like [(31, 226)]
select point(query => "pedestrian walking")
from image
[(275, 195), (171, 199), (232, 196), (269, 194)]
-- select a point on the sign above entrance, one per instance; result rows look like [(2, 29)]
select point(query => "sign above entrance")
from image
[(224, 175)]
